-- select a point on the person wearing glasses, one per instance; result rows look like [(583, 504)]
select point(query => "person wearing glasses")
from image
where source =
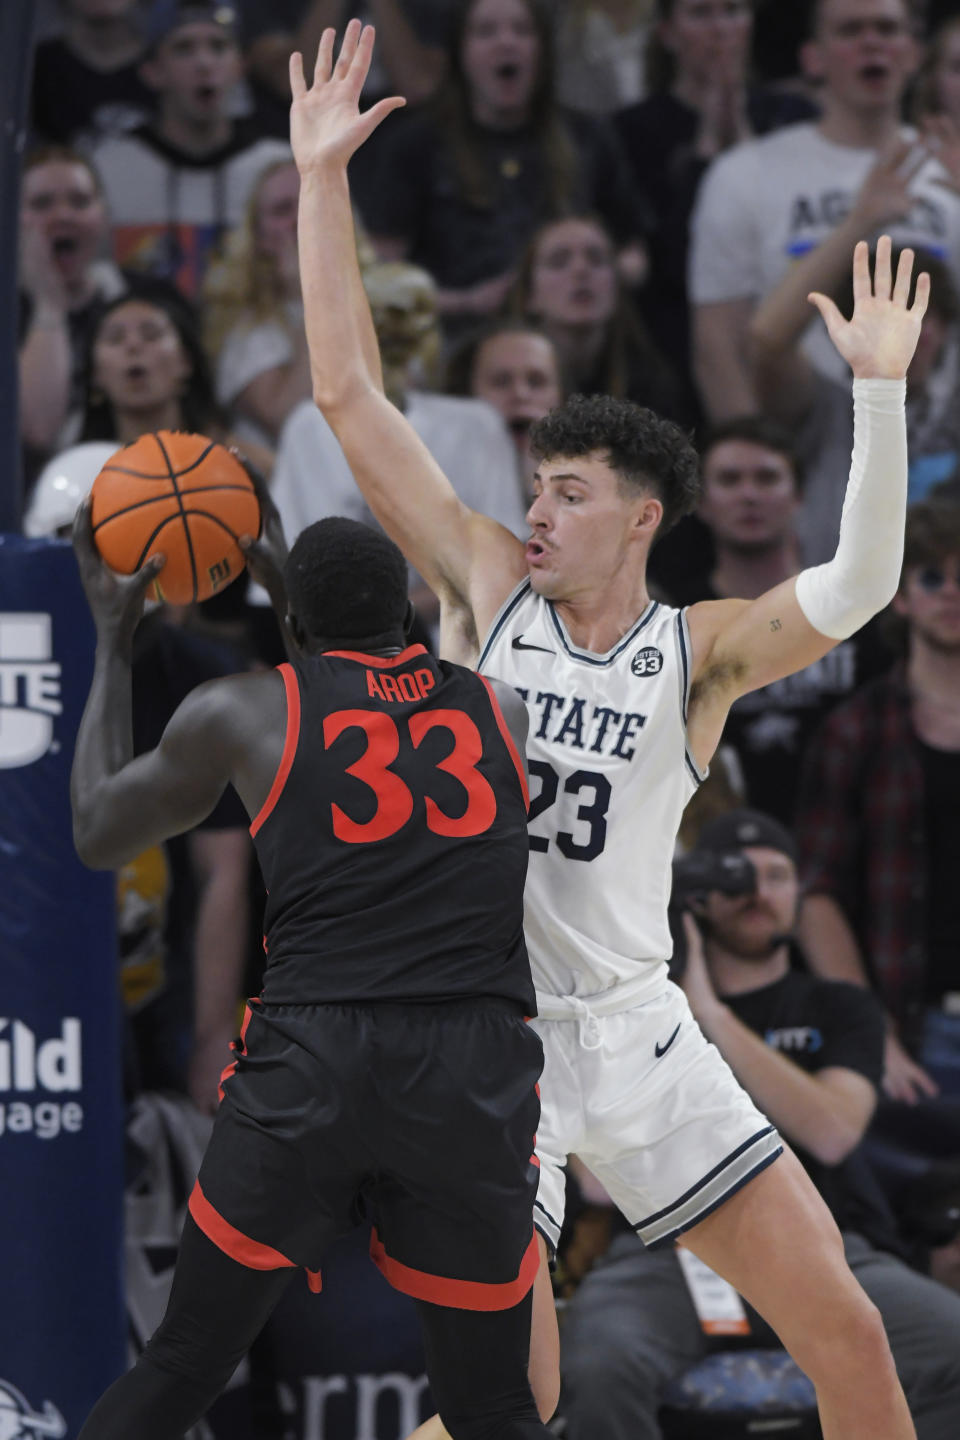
[(879, 823)]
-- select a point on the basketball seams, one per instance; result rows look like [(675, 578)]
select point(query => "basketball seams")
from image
[(153, 535), (159, 500), (186, 527), (209, 515), (204, 552), (142, 475)]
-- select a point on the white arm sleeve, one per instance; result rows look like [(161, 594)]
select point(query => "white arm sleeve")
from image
[(839, 597)]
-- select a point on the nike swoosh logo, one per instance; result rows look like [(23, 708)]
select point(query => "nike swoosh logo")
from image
[(662, 1049), (519, 645)]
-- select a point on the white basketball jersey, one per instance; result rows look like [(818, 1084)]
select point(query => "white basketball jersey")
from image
[(610, 774)]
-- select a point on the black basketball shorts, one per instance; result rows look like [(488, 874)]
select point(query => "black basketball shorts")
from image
[(423, 1117)]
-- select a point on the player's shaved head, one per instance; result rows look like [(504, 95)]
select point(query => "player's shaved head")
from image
[(346, 581)]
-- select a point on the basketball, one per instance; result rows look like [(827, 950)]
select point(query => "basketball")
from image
[(183, 496)]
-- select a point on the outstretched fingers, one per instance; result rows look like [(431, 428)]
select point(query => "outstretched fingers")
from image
[(348, 50), (882, 274), (324, 65), (901, 288), (862, 287), (921, 298), (298, 83)]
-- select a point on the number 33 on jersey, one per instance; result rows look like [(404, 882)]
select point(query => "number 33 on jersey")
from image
[(393, 841)]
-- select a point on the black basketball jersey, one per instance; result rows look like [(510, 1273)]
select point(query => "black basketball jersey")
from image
[(393, 841)]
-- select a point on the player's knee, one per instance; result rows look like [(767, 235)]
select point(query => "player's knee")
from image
[(187, 1354), (852, 1340)]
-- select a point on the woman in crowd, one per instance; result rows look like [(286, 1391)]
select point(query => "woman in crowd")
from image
[(699, 103), (569, 284), (463, 184), (515, 367), (146, 370), (254, 314), (64, 286)]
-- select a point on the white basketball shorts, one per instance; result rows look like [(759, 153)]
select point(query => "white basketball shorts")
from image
[(653, 1110)]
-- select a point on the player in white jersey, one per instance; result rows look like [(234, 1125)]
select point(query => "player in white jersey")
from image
[(627, 703)]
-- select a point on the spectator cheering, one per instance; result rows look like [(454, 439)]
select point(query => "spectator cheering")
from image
[(516, 369), (175, 185), (64, 286), (254, 314), (879, 824), (147, 371), (462, 186), (569, 285), (700, 103), (767, 203)]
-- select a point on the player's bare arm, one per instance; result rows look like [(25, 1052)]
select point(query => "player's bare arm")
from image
[(742, 645), (471, 562), (225, 730)]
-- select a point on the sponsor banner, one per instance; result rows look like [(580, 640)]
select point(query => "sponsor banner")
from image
[(61, 1113)]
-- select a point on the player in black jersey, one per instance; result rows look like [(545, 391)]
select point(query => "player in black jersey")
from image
[(387, 1062)]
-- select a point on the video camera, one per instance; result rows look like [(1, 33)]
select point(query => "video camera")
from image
[(695, 876)]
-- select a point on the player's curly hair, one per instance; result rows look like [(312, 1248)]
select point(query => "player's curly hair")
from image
[(346, 581), (646, 451)]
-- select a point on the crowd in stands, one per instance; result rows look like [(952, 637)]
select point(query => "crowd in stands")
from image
[(631, 197)]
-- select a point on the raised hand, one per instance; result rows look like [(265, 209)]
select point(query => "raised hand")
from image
[(879, 339), (326, 125)]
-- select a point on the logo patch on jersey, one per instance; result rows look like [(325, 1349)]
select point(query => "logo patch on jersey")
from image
[(660, 1050), (648, 661), (518, 644)]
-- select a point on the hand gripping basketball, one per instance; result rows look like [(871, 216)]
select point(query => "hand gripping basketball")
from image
[(183, 496)]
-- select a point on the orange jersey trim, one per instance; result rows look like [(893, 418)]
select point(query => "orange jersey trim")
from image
[(251, 1253), (238, 1049), (508, 738), (289, 745), (457, 1294), (383, 662)]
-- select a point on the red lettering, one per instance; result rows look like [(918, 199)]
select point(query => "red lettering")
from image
[(394, 801), (390, 688), (408, 687), (461, 763), (425, 679), (373, 687)]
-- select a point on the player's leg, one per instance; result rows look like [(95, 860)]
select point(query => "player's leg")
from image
[(777, 1244), (477, 1365), (216, 1310), (543, 1370), (922, 1321)]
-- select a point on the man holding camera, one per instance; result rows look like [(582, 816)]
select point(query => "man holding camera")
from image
[(810, 1054)]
